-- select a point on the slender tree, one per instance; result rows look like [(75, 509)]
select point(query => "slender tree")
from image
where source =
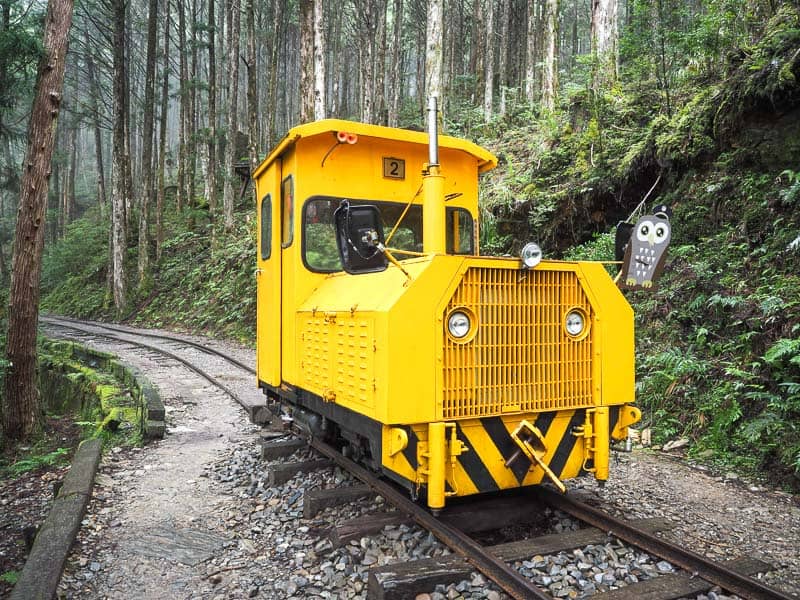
[(148, 128), (233, 117), (306, 60), (211, 171), (162, 136), (604, 43), (396, 81), (119, 158), (433, 52), (319, 60), (488, 89), (252, 86), (550, 75), (530, 53), (21, 408)]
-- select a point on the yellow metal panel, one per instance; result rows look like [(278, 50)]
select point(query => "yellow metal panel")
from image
[(268, 285), (614, 356), (484, 159), (337, 357)]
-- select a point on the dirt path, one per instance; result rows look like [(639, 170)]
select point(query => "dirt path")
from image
[(156, 518)]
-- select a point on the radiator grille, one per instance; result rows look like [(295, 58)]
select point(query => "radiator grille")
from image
[(521, 359)]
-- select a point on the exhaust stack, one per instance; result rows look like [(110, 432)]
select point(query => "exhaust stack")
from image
[(433, 234), (433, 133)]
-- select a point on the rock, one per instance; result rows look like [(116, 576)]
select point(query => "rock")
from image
[(664, 567), (676, 444)]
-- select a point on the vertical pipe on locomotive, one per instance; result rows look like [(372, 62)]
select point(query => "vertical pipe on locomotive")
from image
[(433, 236)]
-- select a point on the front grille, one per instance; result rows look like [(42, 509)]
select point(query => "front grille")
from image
[(520, 359)]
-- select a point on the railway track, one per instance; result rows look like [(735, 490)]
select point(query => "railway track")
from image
[(496, 562)]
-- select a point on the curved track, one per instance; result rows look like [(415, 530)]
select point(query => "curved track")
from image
[(481, 558)]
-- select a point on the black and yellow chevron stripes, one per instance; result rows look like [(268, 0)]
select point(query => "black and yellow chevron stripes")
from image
[(482, 467)]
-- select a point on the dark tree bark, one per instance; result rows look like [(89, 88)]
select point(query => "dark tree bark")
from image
[(147, 144), (211, 172), (94, 107), (233, 107), (252, 87), (306, 61), (396, 80), (183, 72), (119, 187), (162, 137), (21, 406)]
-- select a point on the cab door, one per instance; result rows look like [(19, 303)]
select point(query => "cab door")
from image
[(268, 277)]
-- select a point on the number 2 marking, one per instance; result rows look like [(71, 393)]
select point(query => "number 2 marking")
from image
[(394, 168)]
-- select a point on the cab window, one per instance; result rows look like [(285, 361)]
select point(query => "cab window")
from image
[(266, 227), (287, 203), (460, 231), (320, 253)]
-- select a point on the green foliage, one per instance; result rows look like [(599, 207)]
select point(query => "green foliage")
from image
[(20, 51), (321, 251), (203, 286), (10, 577), (74, 269), (36, 461)]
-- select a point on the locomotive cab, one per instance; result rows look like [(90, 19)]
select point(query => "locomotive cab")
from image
[(380, 326)]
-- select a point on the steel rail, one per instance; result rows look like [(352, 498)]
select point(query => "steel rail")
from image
[(158, 336), (210, 378), (711, 571), (512, 582)]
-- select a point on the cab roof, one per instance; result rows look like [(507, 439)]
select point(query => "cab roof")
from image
[(486, 160)]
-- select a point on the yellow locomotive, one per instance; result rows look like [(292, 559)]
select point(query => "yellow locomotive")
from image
[(380, 325)]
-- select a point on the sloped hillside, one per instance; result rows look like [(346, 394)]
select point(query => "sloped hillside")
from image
[(719, 342)]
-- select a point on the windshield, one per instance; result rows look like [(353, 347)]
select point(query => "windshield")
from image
[(319, 237)]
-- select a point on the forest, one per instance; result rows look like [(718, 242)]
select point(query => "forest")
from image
[(591, 106)]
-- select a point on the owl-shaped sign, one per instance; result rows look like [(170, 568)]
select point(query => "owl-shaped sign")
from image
[(646, 252)]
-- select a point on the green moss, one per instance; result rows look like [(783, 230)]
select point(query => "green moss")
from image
[(106, 404)]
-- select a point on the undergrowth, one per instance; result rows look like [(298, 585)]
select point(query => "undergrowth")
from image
[(718, 345)]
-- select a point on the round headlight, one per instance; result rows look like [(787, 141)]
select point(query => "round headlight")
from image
[(531, 255), (458, 324), (574, 323)]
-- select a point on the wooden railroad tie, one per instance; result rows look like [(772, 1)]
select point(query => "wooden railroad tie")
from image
[(403, 580)]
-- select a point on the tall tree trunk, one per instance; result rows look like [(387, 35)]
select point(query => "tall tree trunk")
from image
[(396, 82), (252, 90), (306, 60), (488, 90), (183, 92), (192, 113), (70, 205), (162, 137), (550, 75), (147, 145), (94, 108), (211, 171), (380, 64), (604, 43), (530, 53), (433, 51), (502, 47), (319, 60), (119, 163), (272, 94), (233, 107), (21, 408)]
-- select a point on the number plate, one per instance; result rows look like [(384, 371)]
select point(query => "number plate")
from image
[(394, 168)]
